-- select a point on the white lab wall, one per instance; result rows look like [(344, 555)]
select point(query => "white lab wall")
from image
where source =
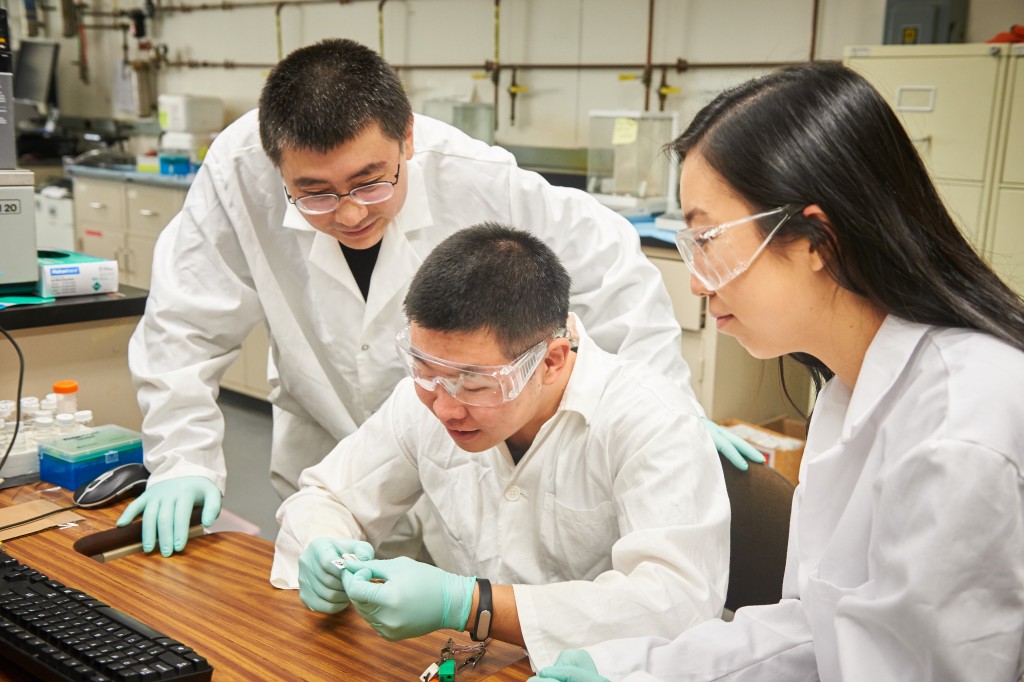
[(553, 110)]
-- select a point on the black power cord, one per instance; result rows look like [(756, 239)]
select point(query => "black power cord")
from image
[(36, 518), (17, 402)]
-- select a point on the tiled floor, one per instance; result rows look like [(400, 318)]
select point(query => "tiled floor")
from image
[(247, 450)]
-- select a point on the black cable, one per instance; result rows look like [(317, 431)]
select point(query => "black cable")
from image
[(36, 518), (17, 402)]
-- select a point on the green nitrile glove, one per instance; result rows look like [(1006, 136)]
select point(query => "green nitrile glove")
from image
[(320, 584), (415, 598), (573, 665), (732, 447), (166, 507)]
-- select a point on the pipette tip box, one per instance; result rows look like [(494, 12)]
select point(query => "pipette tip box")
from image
[(78, 458)]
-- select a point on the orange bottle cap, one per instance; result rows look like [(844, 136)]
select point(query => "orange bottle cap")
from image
[(65, 387)]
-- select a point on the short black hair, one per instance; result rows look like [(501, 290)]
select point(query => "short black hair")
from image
[(495, 277), (323, 95)]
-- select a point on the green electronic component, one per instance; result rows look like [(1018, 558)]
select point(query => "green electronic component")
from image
[(446, 673)]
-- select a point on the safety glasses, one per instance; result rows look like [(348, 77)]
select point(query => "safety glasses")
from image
[(717, 254), (470, 384)]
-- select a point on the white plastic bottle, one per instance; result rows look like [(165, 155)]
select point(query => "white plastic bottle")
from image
[(29, 407), (67, 396), (43, 429), (83, 420), (65, 424)]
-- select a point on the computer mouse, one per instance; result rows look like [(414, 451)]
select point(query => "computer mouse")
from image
[(120, 483)]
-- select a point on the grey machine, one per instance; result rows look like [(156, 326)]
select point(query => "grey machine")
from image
[(19, 265)]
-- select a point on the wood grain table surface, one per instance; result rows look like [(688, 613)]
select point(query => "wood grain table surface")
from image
[(216, 598)]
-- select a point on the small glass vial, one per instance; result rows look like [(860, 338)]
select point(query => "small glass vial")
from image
[(83, 419), (48, 405), (43, 429), (67, 396), (65, 424), (7, 409), (29, 407)]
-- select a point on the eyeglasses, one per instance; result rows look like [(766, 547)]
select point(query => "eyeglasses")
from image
[(716, 259), (372, 193), (482, 386)]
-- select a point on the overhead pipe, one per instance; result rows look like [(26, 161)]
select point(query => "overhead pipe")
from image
[(814, 30), (647, 75), (203, 6), (496, 72)]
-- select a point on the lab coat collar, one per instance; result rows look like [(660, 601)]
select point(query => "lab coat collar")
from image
[(415, 213), (887, 358), (589, 377)]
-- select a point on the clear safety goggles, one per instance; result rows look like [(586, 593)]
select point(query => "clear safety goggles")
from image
[(481, 386), (716, 257)]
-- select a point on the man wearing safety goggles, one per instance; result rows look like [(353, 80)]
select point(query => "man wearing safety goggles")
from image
[(576, 487)]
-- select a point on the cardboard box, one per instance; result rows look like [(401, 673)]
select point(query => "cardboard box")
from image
[(66, 273), (781, 441), (78, 458)]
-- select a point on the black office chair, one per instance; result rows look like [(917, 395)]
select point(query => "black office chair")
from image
[(761, 500)]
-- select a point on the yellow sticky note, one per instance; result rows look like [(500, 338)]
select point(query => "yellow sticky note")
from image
[(625, 131)]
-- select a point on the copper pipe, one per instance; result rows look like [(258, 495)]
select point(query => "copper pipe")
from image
[(226, 64), (814, 30), (245, 5), (679, 66)]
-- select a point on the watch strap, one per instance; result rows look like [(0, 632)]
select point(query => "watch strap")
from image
[(484, 612)]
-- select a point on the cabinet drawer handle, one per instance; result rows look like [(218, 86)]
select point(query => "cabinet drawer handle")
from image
[(922, 139), (149, 213), (915, 98), (96, 205)]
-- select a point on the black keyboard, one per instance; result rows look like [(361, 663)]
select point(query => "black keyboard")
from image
[(59, 633)]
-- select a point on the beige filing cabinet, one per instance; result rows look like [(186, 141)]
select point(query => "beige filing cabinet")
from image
[(122, 220), (1005, 245), (963, 106), (728, 381)]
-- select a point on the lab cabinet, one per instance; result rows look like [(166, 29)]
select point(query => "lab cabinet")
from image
[(728, 381), (121, 221), (963, 107)]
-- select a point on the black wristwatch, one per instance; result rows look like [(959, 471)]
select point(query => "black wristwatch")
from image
[(484, 611)]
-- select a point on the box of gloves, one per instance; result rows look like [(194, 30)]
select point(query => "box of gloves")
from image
[(66, 273), (780, 440)]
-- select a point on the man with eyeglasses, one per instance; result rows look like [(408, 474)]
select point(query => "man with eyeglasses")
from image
[(310, 216), (576, 498)]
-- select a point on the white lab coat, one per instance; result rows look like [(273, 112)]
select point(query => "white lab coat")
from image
[(906, 552), (239, 255), (621, 493)]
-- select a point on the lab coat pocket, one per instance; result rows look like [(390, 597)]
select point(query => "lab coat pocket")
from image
[(578, 542)]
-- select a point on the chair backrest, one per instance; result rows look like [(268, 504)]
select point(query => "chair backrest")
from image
[(761, 500)]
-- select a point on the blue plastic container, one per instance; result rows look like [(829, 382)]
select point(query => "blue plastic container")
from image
[(78, 458)]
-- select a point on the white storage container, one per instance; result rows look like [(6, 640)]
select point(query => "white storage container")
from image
[(190, 113)]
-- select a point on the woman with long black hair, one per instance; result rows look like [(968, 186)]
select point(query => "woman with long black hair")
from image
[(814, 230)]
